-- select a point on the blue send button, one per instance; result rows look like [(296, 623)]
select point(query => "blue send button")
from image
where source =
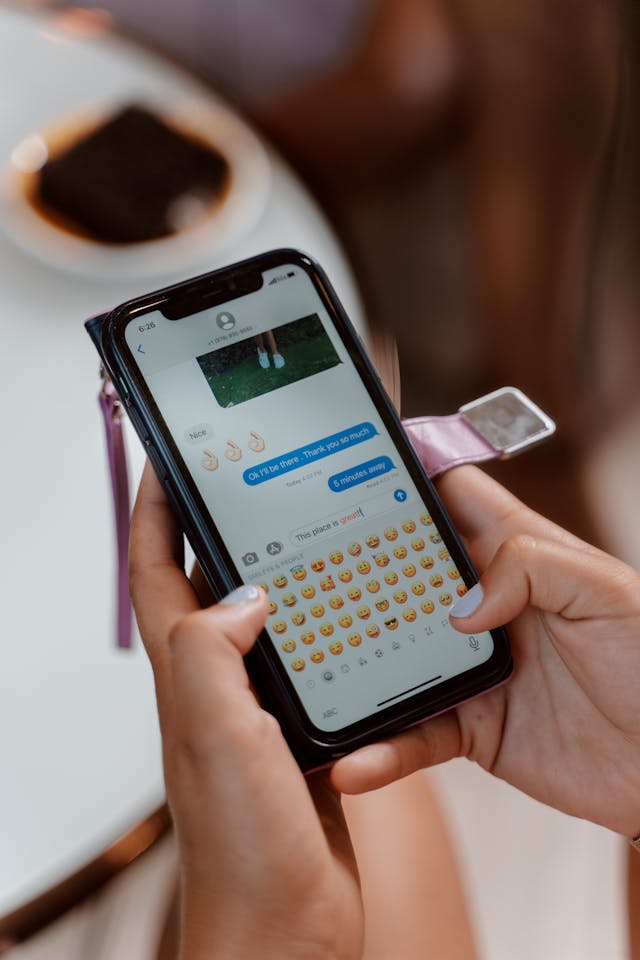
[(360, 474)]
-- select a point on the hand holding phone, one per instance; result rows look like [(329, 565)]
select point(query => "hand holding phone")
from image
[(288, 468), (260, 877), (565, 728)]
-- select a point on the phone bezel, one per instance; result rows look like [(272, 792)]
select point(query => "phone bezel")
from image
[(203, 533)]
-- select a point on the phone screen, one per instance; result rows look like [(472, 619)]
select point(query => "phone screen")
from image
[(311, 496)]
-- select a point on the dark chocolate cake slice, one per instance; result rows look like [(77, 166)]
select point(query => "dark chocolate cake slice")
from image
[(132, 179)]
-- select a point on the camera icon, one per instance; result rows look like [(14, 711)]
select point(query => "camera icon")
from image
[(249, 558)]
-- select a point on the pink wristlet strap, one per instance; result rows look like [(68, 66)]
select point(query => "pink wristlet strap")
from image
[(117, 456), (446, 442)]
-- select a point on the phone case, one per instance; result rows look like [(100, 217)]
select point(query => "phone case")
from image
[(310, 752)]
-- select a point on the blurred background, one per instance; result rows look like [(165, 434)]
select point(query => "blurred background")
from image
[(477, 162)]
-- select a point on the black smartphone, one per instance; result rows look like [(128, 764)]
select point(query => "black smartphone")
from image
[(287, 467)]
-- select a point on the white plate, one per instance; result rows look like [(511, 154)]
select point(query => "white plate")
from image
[(230, 219)]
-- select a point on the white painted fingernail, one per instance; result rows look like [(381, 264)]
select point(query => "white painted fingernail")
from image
[(243, 594), (469, 603)]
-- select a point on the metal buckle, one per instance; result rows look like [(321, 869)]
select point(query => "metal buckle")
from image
[(508, 420), (109, 394)]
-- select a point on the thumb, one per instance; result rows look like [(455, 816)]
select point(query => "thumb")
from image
[(548, 575)]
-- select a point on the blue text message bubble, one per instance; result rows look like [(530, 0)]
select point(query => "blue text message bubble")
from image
[(360, 473), (310, 452)]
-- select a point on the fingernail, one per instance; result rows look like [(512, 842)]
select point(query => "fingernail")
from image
[(243, 594), (469, 603)]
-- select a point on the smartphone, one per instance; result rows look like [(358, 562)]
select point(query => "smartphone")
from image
[(287, 467)]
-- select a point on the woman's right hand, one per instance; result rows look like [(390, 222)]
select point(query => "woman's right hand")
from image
[(566, 728)]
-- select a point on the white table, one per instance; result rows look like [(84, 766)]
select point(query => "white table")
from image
[(79, 745)]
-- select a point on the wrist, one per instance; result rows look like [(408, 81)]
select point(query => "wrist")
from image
[(241, 930)]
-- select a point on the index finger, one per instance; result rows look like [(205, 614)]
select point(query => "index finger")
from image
[(487, 515), (160, 590)]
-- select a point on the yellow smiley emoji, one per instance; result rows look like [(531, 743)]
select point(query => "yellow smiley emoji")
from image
[(335, 648), (264, 586), (417, 544), (372, 586), (408, 526), (436, 580), (445, 599), (400, 596), (381, 559), (279, 626), (299, 572), (317, 610), (336, 601), (363, 612), (453, 574), (427, 606), (336, 557), (354, 593), (317, 565), (327, 583), (317, 656), (391, 533), (418, 588), (354, 549), (391, 578), (326, 629), (289, 599), (426, 520), (461, 589), (354, 639), (409, 614), (308, 637), (435, 537), (400, 552), (373, 631), (308, 592), (364, 567), (391, 623), (444, 554), (280, 580), (409, 570), (298, 618), (297, 664), (382, 604), (345, 621), (372, 541), (426, 563), (345, 575), (288, 646), (273, 607)]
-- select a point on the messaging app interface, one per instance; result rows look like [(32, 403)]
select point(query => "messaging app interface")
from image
[(308, 492)]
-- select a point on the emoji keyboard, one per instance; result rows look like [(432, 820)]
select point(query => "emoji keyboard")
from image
[(358, 596)]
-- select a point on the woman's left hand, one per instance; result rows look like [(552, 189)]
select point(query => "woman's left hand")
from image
[(267, 867)]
